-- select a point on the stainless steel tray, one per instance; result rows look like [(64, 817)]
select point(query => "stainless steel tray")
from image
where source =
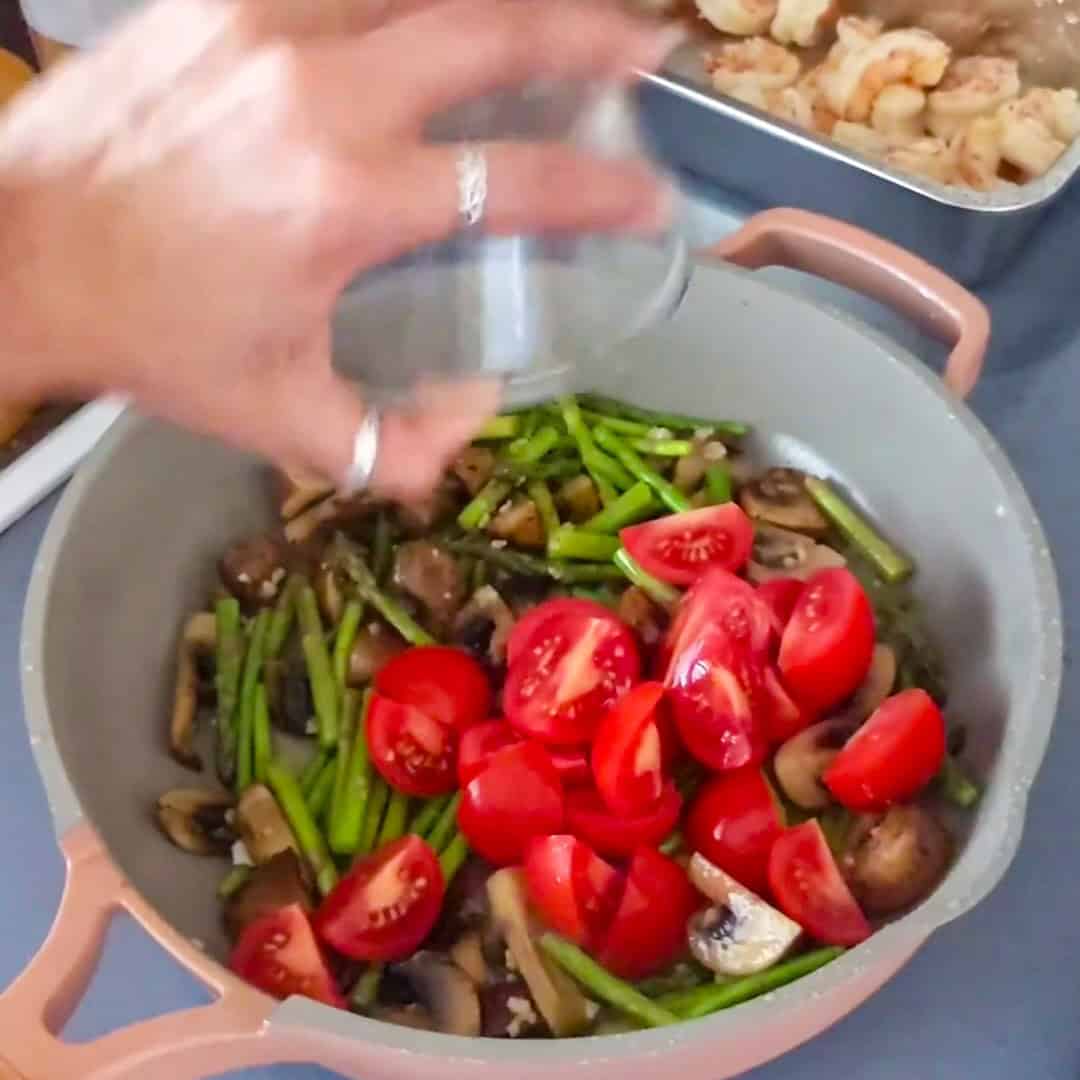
[(970, 235)]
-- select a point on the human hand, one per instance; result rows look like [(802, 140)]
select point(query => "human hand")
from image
[(183, 205)]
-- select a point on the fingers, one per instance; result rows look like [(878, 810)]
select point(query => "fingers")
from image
[(323, 18)]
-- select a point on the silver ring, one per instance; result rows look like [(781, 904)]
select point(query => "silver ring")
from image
[(472, 182), (365, 453)]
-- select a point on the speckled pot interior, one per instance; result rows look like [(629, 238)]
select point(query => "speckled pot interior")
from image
[(134, 543)]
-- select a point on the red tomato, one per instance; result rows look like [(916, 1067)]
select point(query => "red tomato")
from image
[(477, 745), (414, 753), (781, 717), (893, 756), (679, 548), (572, 767), (826, 648), (514, 798), (809, 888), (385, 906), (618, 836), (648, 930), (718, 646), (445, 684), (569, 662), (781, 594), (733, 822), (627, 759), (278, 954), (572, 888)]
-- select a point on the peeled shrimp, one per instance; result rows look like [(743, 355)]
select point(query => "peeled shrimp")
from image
[(977, 153), (1059, 110), (972, 86), (928, 157), (861, 74), (898, 110), (862, 138), (742, 18), (1029, 133), (855, 30), (755, 63), (792, 105), (802, 22)]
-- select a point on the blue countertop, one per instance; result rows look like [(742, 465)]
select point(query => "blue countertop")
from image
[(992, 997)]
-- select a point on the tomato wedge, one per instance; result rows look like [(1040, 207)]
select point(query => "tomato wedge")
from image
[(478, 744), (648, 929), (781, 594), (827, 645), (808, 887), (572, 767), (278, 954), (893, 756), (679, 548), (627, 757), (385, 906), (781, 717), (616, 835), (445, 684), (413, 753), (733, 822), (514, 798), (569, 662), (573, 889)]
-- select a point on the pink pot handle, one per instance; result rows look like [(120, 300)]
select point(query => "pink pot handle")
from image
[(229, 1033), (848, 256)]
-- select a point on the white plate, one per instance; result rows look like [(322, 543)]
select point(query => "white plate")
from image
[(48, 463)]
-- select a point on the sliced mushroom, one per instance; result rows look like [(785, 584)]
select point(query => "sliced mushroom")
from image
[(473, 467), (801, 761), (508, 1010), (875, 688), (375, 646), (780, 553), (196, 820), (578, 499), (896, 859), (419, 518), (468, 953), (518, 521), (254, 569), (779, 497), (276, 884), (410, 1016), (644, 617), (740, 933), (197, 640), (482, 627), (297, 492), (262, 825), (329, 514), (432, 575), (328, 592), (690, 469), (445, 991), (555, 995)]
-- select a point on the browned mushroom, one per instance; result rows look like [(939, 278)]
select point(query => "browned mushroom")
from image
[(261, 825), (198, 639), (375, 646), (444, 991), (896, 859), (276, 884), (519, 521), (330, 514), (690, 468), (328, 592), (783, 553), (508, 1009), (419, 518), (196, 820), (432, 575), (254, 569), (642, 616), (468, 953), (483, 625), (800, 762), (875, 688), (779, 497), (473, 467), (297, 492), (578, 500)]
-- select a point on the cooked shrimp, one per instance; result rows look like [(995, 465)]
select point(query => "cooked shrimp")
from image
[(855, 30), (743, 18), (862, 138), (861, 74), (972, 86), (899, 110), (802, 22), (822, 118), (928, 157), (977, 153), (1058, 109), (754, 62), (1029, 137)]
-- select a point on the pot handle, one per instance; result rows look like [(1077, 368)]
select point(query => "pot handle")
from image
[(848, 256), (229, 1033)]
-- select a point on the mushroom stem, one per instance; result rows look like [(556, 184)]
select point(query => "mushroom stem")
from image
[(198, 639)]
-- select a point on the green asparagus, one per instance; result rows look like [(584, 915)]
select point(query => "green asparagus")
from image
[(366, 991), (310, 840), (345, 639), (658, 591), (393, 824), (322, 792), (635, 504), (229, 657), (540, 494), (378, 797), (570, 542), (452, 859), (499, 428), (662, 447), (348, 813), (956, 785), (284, 614), (480, 509), (234, 881), (729, 429), (429, 814), (262, 739), (350, 702), (443, 829), (253, 663), (531, 450), (629, 459), (382, 547), (718, 483), (324, 693), (313, 770)]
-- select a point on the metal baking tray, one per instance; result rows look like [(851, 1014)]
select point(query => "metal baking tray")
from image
[(970, 235)]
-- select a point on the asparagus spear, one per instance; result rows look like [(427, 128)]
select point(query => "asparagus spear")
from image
[(397, 813), (377, 800), (652, 418), (569, 542), (662, 447), (324, 692), (345, 639), (284, 614), (429, 814), (658, 591), (444, 828), (499, 428), (479, 510), (635, 504), (540, 494), (347, 816), (517, 562), (230, 654), (307, 834), (452, 859), (382, 548), (233, 881), (322, 791), (313, 770), (529, 451), (629, 458), (262, 740), (718, 483), (253, 662), (956, 785)]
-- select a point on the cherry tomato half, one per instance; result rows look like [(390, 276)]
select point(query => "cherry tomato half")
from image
[(445, 684), (569, 662), (572, 767), (278, 954), (781, 594), (733, 822), (828, 643), (893, 756), (413, 753), (573, 889), (477, 745), (679, 548), (648, 930), (781, 716), (627, 758), (385, 906), (515, 797), (808, 887), (615, 835)]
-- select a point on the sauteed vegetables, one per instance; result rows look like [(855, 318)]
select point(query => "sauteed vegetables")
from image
[(615, 730)]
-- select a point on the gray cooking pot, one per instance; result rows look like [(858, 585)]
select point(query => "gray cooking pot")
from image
[(135, 538)]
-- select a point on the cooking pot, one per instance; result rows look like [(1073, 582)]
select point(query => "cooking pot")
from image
[(134, 542)]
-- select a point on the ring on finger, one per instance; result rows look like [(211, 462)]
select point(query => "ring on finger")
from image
[(365, 453), (472, 183)]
